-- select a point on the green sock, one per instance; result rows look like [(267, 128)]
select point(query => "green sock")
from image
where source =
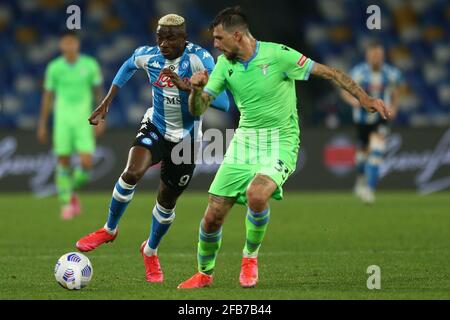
[(256, 226), (63, 183), (208, 247), (80, 177)]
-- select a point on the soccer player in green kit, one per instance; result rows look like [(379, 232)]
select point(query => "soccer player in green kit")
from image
[(261, 76), (71, 82)]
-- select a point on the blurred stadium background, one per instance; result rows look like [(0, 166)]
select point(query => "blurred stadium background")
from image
[(415, 34), (320, 243)]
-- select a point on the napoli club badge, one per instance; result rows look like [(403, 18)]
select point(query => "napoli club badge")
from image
[(147, 141)]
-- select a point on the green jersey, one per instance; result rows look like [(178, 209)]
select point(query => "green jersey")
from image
[(264, 86), (264, 91), (72, 85)]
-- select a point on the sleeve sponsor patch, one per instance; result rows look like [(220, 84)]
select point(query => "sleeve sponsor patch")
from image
[(302, 60)]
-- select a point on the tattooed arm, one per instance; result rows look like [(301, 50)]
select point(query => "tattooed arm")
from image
[(199, 101), (395, 99), (346, 83)]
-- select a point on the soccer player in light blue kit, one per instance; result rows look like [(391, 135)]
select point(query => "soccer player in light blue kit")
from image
[(379, 80), (169, 65)]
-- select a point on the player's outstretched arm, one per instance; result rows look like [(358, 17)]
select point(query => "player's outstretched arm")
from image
[(347, 97), (346, 83), (124, 74), (199, 101), (100, 112), (46, 105), (98, 94), (395, 99)]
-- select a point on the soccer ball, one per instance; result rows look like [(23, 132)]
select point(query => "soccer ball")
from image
[(73, 271)]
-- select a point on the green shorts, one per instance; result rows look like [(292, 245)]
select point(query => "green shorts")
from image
[(241, 165), (69, 138)]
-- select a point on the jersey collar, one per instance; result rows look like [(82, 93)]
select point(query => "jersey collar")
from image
[(71, 63), (246, 63)]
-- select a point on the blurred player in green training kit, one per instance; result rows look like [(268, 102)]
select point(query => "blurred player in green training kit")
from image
[(261, 77), (71, 82)]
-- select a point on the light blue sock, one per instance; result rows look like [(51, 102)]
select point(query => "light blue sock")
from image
[(256, 226), (121, 197), (372, 175), (161, 221)]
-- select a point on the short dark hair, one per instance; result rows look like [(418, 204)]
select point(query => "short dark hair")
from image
[(70, 33), (374, 43), (230, 17)]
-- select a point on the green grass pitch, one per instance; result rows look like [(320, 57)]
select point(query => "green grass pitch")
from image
[(318, 246)]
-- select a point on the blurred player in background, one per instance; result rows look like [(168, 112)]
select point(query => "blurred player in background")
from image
[(169, 66), (72, 80), (261, 76), (382, 81)]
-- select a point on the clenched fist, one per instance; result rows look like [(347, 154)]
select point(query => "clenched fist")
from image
[(176, 80), (199, 79)]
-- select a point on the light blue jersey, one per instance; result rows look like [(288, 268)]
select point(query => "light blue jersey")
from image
[(378, 84), (170, 110)]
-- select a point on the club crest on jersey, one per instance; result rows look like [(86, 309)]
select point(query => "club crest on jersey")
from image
[(302, 60), (147, 141), (264, 68)]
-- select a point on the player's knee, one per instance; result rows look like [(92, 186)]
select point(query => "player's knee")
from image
[(132, 176), (378, 144), (64, 161), (86, 163), (256, 200), (212, 223), (377, 148), (213, 218)]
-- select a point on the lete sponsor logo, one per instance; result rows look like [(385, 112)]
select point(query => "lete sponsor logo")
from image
[(39, 167), (426, 162), (164, 81), (339, 158)]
